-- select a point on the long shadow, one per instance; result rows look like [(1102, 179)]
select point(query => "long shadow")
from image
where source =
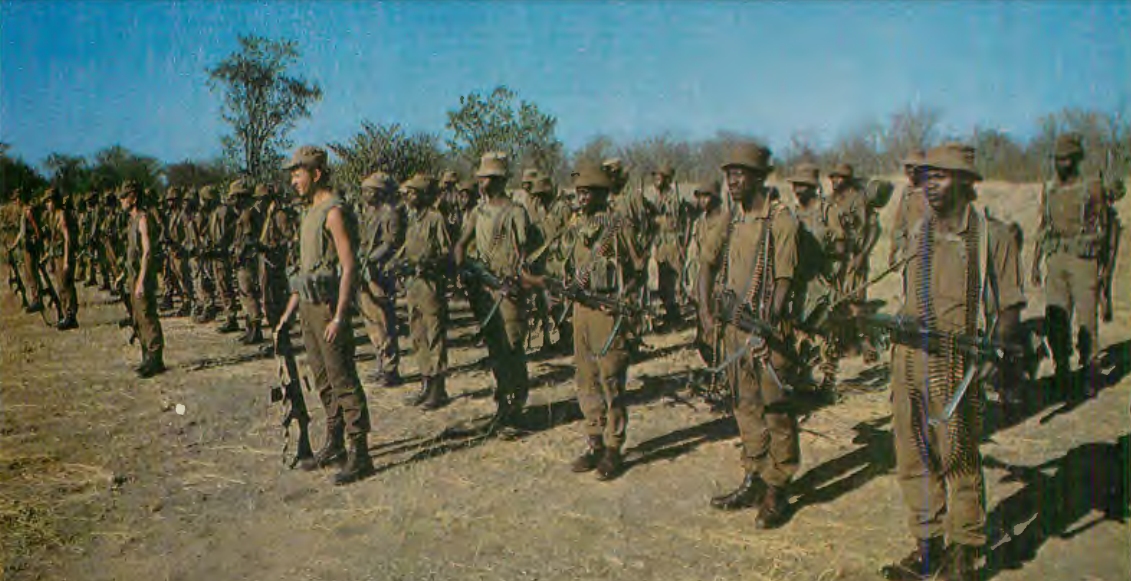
[(1056, 495), (675, 444), (1114, 362)]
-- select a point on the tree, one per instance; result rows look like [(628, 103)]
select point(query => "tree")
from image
[(384, 148), (16, 174), (116, 164), (483, 124), (913, 128), (262, 102), (196, 174), (69, 172)]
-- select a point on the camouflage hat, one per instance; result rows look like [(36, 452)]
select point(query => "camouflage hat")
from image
[(806, 173), (422, 183), (492, 165), (262, 191), (749, 155), (379, 182), (530, 174), (712, 188), (914, 158), (589, 176), (665, 170), (129, 187), (448, 177), (308, 156), (1069, 145), (238, 188), (542, 185), (844, 170), (954, 157)]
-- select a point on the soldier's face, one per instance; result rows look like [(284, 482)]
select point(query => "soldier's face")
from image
[(591, 200), (661, 181), (1065, 165), (837, 182), (302, 179), (127, 202), (491, 185), (703, 201), (945, 188), (742, 181), (804, 192)]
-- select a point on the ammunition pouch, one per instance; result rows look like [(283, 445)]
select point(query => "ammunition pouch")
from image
[(1080, 245), (318, 288)]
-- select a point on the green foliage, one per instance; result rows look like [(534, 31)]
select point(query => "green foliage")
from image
[(483, 124), (116, 164), (15, 174), (262, 102), (196, 174), (386, 148)]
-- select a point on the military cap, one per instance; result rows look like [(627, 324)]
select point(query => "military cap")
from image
[(129, 187), (379, 181), (954, 157), (492, 165), (422, 183), (262, 191), (844, 170), (238, 188), (613, 165), (664, 170), (207, 194), (712, 188), (1069, 145), (467, 185), (308, 156), (588, 176), (542, 185), (173, 193), (448, 177), (530, 174), (806, 173), (914, 158), (749, 155)]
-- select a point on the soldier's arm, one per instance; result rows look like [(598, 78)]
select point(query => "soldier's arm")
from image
[(64, 226), (710, 260), (785, 262), (459, 252), (143, 271), (347, 260), (1038, 243)]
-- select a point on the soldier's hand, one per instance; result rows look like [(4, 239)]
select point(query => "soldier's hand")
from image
[(139, 290), (332, 329)]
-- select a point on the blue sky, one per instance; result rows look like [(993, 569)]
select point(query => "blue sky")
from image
[(77, 76)]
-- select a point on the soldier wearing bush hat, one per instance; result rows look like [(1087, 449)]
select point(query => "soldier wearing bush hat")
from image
[(672, 221), (633, 207), (911, 207), (221, 235), (141, 280), (245, 257), (382, 233)]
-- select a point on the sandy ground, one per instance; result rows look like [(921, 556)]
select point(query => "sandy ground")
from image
[(101, 479)]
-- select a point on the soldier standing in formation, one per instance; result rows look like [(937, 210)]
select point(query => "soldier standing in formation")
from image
[(199, 246), (425, 255), (141, 279), (965, 276), (754, 257), (673, 230), (548, 217), (29, 239), (382, 233), (910, 208), (321, 293), (500, 233), (221, 233), (176, 253), (169, 277), (63, 238), (275, 240), (632, 206), (245, 256), (708, 199)]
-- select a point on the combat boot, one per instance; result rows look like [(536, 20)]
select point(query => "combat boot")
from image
[(746, 495), (359, 465), (420, 396), (774, 509), (230, 325), (34, 307), (924, 561), (587, 461), (959, 563), (184, 310), (333, 449), (391, 379), (68, 322), (437, 396), (610, 464), (152, 364), (254, 334)]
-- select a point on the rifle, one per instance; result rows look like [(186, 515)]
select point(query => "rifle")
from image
[(124, 293), (473, 270), (51, 294), (289, 391), (909, 332), (14, 280), (618, 307)]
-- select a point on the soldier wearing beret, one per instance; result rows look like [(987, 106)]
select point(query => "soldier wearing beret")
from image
[(382, 233), (141, 280), (322, 292)]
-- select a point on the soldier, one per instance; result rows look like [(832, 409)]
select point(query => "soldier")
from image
[(275, 240), (965, 276), (61, 227), (141, 280), (448, 202), (221, 231), (245, 254), (1073, 227), (549, 216), (499, 231), (168, 272), (198, 243), (90, 220), (30, 238), (521, 196), (754, 257), (321, 292), (911, 207), (851, 249), (633, 206), (673, 232), (79, 209), (382, 233), (177, 257), (425, 256)]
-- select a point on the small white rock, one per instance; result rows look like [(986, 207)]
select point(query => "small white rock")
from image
[(180, 409)]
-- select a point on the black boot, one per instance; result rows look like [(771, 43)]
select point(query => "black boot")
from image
[(959, 563), (422, 395), (391, 379), (746, 495), (184, 310), (587, 461), (774, 509), (924, 561), (610, 464), (333, 449), (153, 364), (68, 322), (230, 325), (437, 396), (254, 334), (359, 465)]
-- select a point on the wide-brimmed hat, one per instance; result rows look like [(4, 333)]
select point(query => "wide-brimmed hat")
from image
[(492, 165), (591, 176), (749, 155), (207, 194), (1069, 145), (129, 187), (806, 173), (448, 177), (422, 183), (844, 170), (665, 170), (239, 188), (711, 188), (530, 174), (914, 158), (309, 157), (380, 182), (954, 157), (542, 185), (468, 184)]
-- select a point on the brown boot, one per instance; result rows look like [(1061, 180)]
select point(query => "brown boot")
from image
[(924, 561), (774, 509), (610, 464), (587, 461), (437, 396), (333, 450), (359, 465), (959, 563), (746, 495)]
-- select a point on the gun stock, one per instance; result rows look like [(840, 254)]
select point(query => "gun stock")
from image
[(289, 391)]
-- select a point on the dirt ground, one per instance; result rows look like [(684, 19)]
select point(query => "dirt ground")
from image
[(101, 479)]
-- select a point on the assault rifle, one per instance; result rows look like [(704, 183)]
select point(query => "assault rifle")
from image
[(476, 272), (289, 391), (14, 280), (48, 293), (908, 331), (597, 301)]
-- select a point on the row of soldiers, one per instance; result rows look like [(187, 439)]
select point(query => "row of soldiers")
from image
[(767, 278)]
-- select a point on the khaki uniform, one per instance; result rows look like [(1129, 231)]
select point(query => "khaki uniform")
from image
[(382, 233), (248, 227), (331, 364), (144, 309), (550, 223), (749, 269), (673, 223), (197, 243), (502, 235), (31, 238), (815, 239), (939, 467), (63, 220), (221, 230), (425, 251), (1073, 226), (177, 257), (912, 206), (275, 241), (850, 210), (597, 261)]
